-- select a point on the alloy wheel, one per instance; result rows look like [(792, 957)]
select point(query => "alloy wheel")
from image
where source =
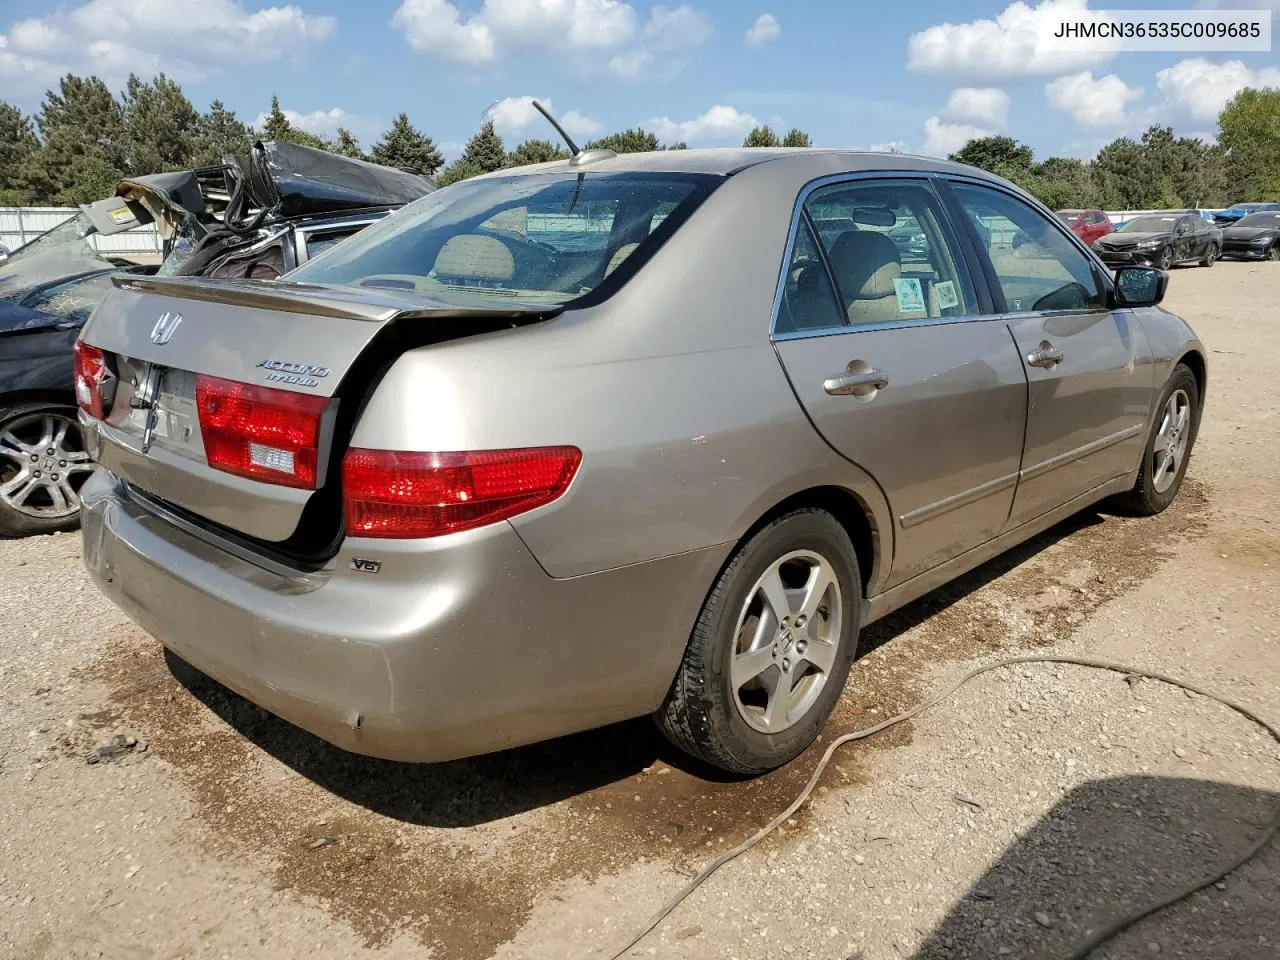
[(1166, 259), (43, 464), (1172, 437), (787, 641)]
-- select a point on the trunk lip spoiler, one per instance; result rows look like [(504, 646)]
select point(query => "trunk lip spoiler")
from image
[(351, 303)]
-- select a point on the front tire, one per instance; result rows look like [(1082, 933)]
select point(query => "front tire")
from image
[(771, 650), (43, 464), (1168, 450), (1274, 253), (1210, 256), (1166, 259)]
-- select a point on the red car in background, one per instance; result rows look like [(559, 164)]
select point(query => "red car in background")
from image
[(1088, 225)]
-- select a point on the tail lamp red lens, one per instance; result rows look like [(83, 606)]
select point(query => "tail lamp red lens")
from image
[(399, 495), (259, 432), (90, 372)]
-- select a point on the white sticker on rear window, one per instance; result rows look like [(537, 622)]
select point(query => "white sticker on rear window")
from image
[(910, 296), (946, 291)]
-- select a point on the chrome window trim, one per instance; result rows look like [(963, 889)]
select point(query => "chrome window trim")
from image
[(300, 234), (798, 213)]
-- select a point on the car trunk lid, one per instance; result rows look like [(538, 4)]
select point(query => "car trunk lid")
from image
[(233, 399)]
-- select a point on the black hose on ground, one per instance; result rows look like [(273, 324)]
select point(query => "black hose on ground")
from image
[(1094, 941)]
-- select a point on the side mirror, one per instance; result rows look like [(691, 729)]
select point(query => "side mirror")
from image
[(1140, 286)]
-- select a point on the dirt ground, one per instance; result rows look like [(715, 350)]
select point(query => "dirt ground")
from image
[(1007, 822)]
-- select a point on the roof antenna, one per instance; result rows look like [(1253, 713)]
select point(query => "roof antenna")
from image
[(580, 157)]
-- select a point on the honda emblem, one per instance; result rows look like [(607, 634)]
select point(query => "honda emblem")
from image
[(165, 328)]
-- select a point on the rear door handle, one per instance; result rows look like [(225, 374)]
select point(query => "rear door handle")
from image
[(859, 384), (1047, 356)]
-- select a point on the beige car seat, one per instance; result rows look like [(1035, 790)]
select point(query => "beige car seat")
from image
[(865, 264), (473, 257)]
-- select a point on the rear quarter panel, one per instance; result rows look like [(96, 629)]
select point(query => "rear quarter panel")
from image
[(689, 429)]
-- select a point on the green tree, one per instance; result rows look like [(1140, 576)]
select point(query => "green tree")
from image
[(1002, 156), (277, 127), (536, 151), (627, 141), (1249, 132), (220, 135), (405, 146), (161, 127), (81, 158), (18, 147), (762, 137), (485, 151), (460, 169), (678, 145), (347, 145), (1064, 182), (797, 138)]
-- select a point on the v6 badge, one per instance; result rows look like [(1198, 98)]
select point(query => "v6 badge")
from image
[(366, 566)]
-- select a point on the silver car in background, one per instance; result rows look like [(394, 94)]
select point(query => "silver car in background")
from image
[(615, 436)]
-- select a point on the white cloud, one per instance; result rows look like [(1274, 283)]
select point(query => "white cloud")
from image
[(889, 146), (987, 106), (764, 31), (942, 138), (323, 123), (1093, 103), (517, 116), (719, 126), (1011, 45), (187, 39), (1240, 5), (1199, 88), (583, 28)]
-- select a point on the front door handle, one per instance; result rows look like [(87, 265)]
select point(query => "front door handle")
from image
[(859, 384), (1046, 356)]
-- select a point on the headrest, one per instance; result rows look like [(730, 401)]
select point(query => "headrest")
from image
[(474, 257), (866, 263), (624, 251)]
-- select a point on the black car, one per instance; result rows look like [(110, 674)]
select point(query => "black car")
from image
[(255, 217), (1161, 240), (1255, 237)]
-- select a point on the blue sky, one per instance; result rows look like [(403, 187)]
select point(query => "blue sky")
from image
[(921, 76)]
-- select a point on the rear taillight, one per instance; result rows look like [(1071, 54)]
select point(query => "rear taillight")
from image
[(270, 435), (90, 372), (412, 495)]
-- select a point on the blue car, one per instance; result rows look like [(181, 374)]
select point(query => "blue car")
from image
[(1239, 210)]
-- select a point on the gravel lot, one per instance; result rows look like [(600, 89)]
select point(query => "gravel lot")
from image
[(1031, 807)]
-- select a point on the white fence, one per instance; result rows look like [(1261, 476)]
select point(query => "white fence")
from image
[(19, 225)]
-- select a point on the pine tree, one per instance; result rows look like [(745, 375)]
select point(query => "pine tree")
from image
[(18, 147), (485, 151), (81, 159), (536, 151), (796, 138), (347, 145), (627, 141), (277, 127), (762, 137), (460, 169), (407, 147), (220, 135), (161, 127)]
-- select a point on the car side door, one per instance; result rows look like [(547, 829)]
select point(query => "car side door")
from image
[(1088, 367), (1184, 239), (1099, 226), (904, 369)]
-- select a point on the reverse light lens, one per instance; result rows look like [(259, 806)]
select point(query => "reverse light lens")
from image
[(404, 495), (258, 432), (90, 372)]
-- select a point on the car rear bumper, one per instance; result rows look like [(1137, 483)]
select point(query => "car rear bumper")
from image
[(458, 646)]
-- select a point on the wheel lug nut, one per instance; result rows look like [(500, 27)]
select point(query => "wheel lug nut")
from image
[(53, 477), (801, 620), (786, 664), (800, 646), (36, 474), (62, 463), (51, 451)]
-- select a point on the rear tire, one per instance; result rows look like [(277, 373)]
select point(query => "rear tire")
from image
[(1159, 479), (1209, 257), (42, 466), (755, 688)]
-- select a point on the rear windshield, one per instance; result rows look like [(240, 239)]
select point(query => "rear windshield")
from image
[(538, 238), (1260, 220), (1149, 225), (1070, 216)]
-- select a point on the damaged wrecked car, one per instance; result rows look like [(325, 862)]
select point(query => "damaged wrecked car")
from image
[(256, 216)]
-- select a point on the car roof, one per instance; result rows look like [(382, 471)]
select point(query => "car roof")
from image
[(726, 161)]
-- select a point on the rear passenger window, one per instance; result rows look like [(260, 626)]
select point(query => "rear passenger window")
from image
[(890, 251), (1037, 266), (808, 301)]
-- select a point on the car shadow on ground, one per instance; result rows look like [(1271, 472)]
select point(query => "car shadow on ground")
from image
[(1110, 848), (482, 789)]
